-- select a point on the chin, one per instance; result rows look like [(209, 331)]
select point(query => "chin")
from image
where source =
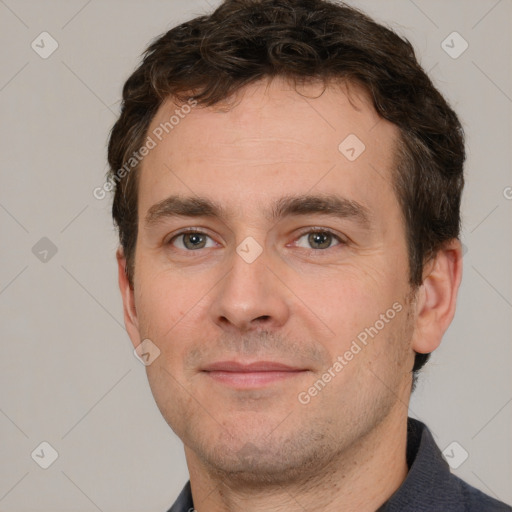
[(266, 459)]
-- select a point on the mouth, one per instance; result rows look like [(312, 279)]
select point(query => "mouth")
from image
[(251, 375)]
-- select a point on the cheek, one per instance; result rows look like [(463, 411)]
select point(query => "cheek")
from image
[(348, 301), (165, 297), (175, 402), (167, 310)]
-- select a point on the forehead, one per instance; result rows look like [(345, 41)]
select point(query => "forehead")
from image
[(271, 138)]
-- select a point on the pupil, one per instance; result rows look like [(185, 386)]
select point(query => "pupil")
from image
[(194, 240), (321, 239)]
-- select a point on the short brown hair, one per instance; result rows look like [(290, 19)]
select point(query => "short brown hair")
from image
[(244, 41)]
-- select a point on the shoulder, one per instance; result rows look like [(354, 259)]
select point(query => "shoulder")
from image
[(430, 485), (476, 501)]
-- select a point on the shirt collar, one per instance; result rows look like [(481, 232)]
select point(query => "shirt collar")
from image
[(429, 481), (184, 501)]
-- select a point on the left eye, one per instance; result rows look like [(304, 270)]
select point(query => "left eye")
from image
[(320, 239)]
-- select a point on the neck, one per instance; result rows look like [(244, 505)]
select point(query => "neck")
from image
[(360, 479)]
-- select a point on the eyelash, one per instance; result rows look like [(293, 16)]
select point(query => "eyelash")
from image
[(341, 241)]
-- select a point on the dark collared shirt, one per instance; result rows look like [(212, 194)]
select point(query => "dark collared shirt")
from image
[(428, 487)]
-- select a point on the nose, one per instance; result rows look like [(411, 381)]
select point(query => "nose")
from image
[(251, 296)]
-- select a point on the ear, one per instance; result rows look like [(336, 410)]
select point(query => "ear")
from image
[(127, 293), (437, 297)]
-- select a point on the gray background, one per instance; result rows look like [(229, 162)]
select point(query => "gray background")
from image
[(67, 372)]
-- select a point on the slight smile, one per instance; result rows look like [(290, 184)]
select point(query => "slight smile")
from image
[(251, 375)]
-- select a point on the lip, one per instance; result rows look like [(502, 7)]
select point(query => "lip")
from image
[(251, 375), (256, 366)]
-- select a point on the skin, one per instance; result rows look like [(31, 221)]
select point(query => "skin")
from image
[(260, 448)]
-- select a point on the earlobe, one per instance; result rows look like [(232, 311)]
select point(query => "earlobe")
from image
[(437, 297), (127, 293)]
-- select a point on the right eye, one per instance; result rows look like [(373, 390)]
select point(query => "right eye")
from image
[(191, 240)]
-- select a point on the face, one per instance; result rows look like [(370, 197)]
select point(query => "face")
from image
[(276, 286)]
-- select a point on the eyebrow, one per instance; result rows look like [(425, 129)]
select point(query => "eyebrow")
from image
[(292, 205)]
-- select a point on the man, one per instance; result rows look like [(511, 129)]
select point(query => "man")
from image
[(287, 191)]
